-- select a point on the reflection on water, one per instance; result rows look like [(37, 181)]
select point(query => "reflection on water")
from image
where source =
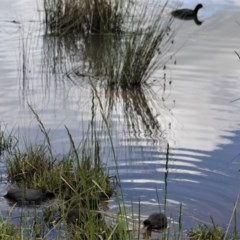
[(201, 127), (194, 18), (139, 111), (75, 58)]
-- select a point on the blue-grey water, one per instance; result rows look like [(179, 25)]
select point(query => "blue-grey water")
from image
[(193, 105)]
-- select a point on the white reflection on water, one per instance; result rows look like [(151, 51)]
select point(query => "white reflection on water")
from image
[(205, 81)]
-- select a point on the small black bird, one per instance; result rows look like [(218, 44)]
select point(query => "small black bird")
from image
[(22, 195), (156, 221), (79, 209), (188, 14)]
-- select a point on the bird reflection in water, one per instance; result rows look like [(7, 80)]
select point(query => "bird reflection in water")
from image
[(188, 14)]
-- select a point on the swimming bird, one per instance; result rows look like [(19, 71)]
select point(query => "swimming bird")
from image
[(22, 195), (188, 14), (156, 221)]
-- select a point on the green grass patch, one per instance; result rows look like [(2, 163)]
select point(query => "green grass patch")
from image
[(35, 168), (203, 232), (8, 231)]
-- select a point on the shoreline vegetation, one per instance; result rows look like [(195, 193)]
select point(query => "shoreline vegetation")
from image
[(81, 186)]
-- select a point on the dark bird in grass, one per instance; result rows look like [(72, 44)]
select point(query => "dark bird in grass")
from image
[(22, 195), (188, 14), (156, 221), (79, 209), (80, 216)]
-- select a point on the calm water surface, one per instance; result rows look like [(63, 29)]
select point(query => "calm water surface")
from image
[(192, 105)]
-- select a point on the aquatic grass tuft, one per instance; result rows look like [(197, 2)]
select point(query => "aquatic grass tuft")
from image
[(23, 167), (128, 59), (203, 232), (131, 61), (78, 179), (35, 168), (88, 16)]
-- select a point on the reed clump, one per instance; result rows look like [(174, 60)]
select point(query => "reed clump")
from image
[(86, 16), (144, 50), (35, 168), (135, 55), (130, 58)]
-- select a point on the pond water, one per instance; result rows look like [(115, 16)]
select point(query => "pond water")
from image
[(193, 105)]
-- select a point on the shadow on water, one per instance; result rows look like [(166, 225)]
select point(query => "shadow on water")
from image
[(99, 53), (194, 18), (75, 58), (60, 55)]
